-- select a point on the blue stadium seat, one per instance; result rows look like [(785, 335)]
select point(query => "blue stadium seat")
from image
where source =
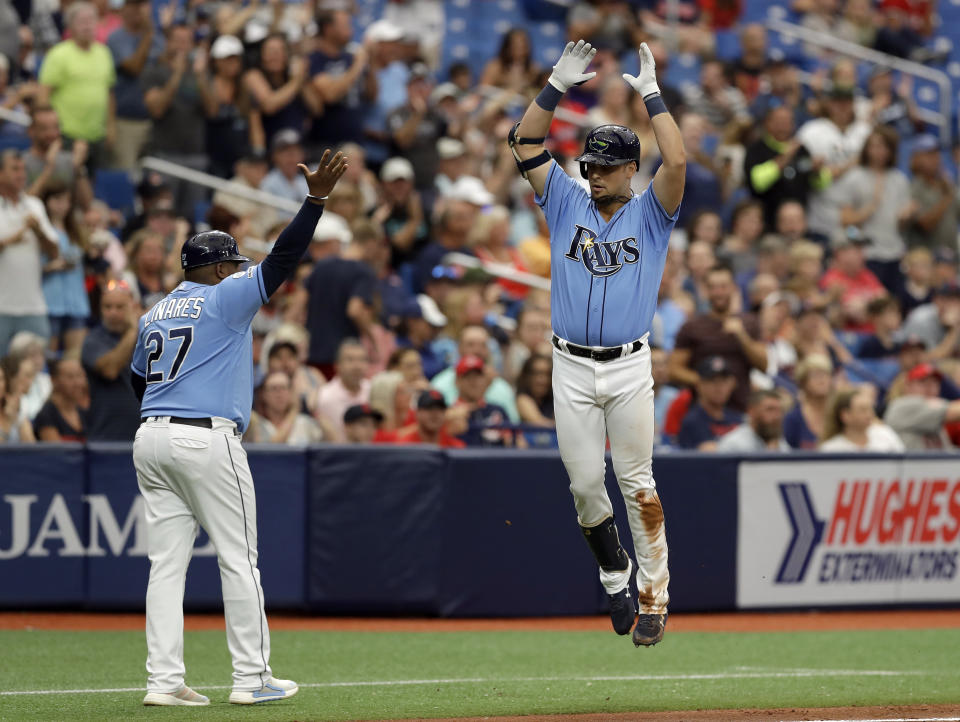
[(728, 44), (200, 211), (115, 188), (17, 142)]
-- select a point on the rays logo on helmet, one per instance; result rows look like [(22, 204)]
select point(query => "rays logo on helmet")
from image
[(601, 258), (598, 145)]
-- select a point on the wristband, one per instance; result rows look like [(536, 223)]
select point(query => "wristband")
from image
[(316, 198), (549, 98), (655, 104)]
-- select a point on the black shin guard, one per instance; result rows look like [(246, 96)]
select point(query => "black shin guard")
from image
[(604, 542)]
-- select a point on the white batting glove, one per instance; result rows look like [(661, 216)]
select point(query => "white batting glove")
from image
[(569, 70), (645, 81)]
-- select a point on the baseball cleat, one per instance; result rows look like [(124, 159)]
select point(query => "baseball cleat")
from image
[(622, 611), (272, 690), (649, 629), (184, 697)]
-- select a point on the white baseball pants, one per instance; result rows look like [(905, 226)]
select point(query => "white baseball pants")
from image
[(190, 475), (593, 400)]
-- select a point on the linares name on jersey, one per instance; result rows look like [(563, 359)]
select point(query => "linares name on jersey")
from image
[(190, 307)]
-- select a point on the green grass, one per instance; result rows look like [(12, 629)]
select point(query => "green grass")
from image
[(507, 673)]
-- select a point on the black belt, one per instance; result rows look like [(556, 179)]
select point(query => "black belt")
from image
[(597, 354), (206, 423)]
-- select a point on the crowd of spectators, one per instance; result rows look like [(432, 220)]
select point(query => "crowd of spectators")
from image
[(810, 297)]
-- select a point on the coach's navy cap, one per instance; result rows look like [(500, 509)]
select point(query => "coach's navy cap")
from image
[(361, 411), (713, 367), (431, 399)]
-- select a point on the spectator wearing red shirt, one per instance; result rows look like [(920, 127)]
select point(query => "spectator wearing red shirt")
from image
[(850, 281), (431, 411)]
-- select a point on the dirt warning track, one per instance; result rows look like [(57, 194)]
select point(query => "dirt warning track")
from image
[(733, 622)]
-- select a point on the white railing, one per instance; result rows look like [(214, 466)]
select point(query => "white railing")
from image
[(165, 167), (14, 116), (190, 175), (500, 270), (845, 47)]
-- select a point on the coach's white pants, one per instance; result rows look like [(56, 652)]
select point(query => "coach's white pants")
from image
[(188, 475), (592, 401)]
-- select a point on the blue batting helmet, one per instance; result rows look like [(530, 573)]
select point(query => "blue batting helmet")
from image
[(209, 247), (609, 145)]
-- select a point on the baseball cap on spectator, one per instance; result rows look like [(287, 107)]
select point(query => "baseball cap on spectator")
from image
[(468, 364), (448, 148), (912, 342), (396, 169), (426, 308), (226, 46), (255, 31), (923, 371), (383, 31), (419, 71), (332, 227), (945, 255), (444, 91), (152, 186), (470, 189), (361, 411), (284, 139), (846, 237), (713, 367), (924, 144), (947, 290), (431, 399), (841, 92), (283, 344)]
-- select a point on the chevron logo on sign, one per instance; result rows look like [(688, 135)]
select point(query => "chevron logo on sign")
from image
[(807, 532)]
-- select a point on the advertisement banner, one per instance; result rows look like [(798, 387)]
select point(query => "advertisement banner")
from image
[(837, 532)]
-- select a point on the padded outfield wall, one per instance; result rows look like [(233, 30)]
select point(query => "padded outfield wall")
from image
[(421, 531)]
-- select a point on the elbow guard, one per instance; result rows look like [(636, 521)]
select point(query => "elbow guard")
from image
[(525, 166)]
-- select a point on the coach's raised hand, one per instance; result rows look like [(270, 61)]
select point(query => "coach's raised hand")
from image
[(645, 81), (321, 181), (571, 68)]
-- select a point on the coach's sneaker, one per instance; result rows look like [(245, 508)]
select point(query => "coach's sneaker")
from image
[(184, 697), (274, 689), (649, 629)]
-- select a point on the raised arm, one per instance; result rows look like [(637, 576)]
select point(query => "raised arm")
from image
[(295, 238), (526, 139), (669, 179)]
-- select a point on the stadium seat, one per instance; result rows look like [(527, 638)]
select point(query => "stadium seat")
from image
[(115, 188)]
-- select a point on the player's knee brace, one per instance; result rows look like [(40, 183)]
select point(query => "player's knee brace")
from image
[(604, 542)]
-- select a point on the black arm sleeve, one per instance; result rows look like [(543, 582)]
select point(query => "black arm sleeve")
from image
[(290, 247), (139, 384)]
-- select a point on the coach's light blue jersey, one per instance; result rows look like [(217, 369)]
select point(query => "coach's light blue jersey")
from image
[(195, 349), (605, 276)]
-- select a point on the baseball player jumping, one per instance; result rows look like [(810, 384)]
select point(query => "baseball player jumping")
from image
[(193, 370), (608, 251)]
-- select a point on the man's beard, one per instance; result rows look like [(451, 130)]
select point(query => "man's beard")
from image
[(720, 306), (610, 199), (769, 432)]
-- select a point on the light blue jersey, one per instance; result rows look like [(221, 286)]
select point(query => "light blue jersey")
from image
[(605, 276), (195, 349)]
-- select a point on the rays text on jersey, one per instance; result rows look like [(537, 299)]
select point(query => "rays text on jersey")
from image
[(601, 258), (190, 307)]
